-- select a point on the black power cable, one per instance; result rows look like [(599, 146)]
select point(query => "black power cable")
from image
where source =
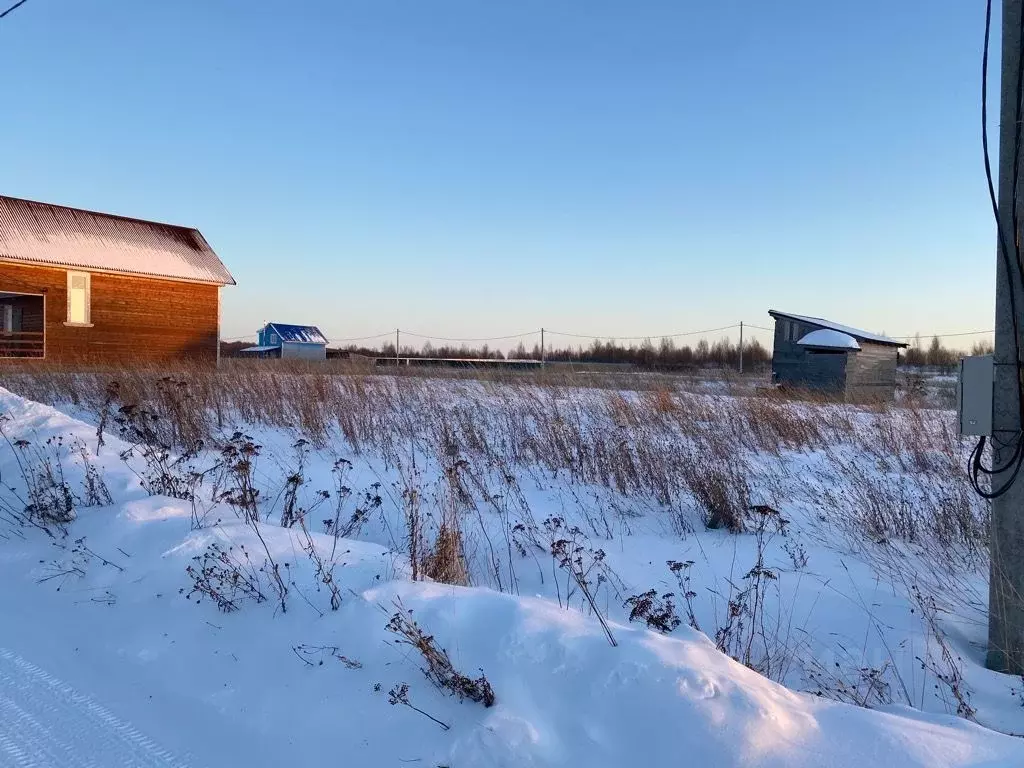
[(1016, 460), (13, 7), (976, 469)]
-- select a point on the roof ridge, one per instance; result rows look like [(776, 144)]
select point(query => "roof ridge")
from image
[(306, 334), (36, 232), (878, 338), (104, 214)]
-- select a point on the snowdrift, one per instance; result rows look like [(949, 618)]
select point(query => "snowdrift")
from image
[(103, 659)]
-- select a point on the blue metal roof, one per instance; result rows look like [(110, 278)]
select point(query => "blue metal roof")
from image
[(303, 334)]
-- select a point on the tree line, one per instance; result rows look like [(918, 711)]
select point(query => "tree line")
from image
[(936, 355), (664, 355)]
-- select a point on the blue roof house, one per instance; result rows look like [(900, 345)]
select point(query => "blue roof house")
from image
[(293, 342)]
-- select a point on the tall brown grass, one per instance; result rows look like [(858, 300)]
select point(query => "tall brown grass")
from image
[(885, 481), (889, 471)]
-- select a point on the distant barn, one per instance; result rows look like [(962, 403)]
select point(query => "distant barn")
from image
[(295, 342), (82, 286), (818, 354)]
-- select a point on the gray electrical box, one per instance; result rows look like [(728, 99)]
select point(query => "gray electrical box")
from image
[(974, 395)]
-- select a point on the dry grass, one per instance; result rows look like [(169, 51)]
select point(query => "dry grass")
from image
[(687, 453), (438, 667), (876, 476), (886, 481)]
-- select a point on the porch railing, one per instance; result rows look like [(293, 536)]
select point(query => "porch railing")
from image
[(21, 344)]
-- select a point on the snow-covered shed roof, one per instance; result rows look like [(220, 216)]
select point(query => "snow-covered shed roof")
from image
[(303, 334), (43, 233), (821, 322), (257, 349), (826, 338)]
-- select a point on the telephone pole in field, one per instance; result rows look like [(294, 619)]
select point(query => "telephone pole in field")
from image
[(1006, 535), (741, 346)]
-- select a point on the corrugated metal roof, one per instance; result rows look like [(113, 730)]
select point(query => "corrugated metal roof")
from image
[(43, 233), (855, 332), (305, 334)]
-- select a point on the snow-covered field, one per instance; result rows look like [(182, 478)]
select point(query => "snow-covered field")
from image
[(197, 631)]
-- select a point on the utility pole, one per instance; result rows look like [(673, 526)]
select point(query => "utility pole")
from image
[(396, 348), (541, 347), (1006, 534), (741, 346)]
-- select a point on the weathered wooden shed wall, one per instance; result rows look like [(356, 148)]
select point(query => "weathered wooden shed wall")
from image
[(796, 366), (867, 374), (871, 372), (133, 319)]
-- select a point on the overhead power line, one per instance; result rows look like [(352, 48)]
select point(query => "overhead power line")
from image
[(639, 338), (597, 336), (910, 336), (942, 335), (13, 7), (332, 341), (362, 338), (489, 338)]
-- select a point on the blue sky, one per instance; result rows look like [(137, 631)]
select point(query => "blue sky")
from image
[(472, 168)]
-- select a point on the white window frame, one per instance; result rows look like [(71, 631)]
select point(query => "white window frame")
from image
[(88, 301)]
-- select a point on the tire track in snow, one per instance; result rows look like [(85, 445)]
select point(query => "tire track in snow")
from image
[(46, 723)]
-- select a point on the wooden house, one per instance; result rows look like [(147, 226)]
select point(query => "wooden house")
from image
[(818, 354), (78, 286), (289, 342)]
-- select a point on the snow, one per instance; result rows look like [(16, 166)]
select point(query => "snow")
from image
[(257, 349), (849, 330), (51, 234), (32, 701), (116, 667), (826, 337), (300, 334)]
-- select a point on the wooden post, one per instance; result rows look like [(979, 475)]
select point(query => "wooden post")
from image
[(741, 346)]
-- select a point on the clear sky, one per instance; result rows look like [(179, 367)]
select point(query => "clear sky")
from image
[(472, 168)]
